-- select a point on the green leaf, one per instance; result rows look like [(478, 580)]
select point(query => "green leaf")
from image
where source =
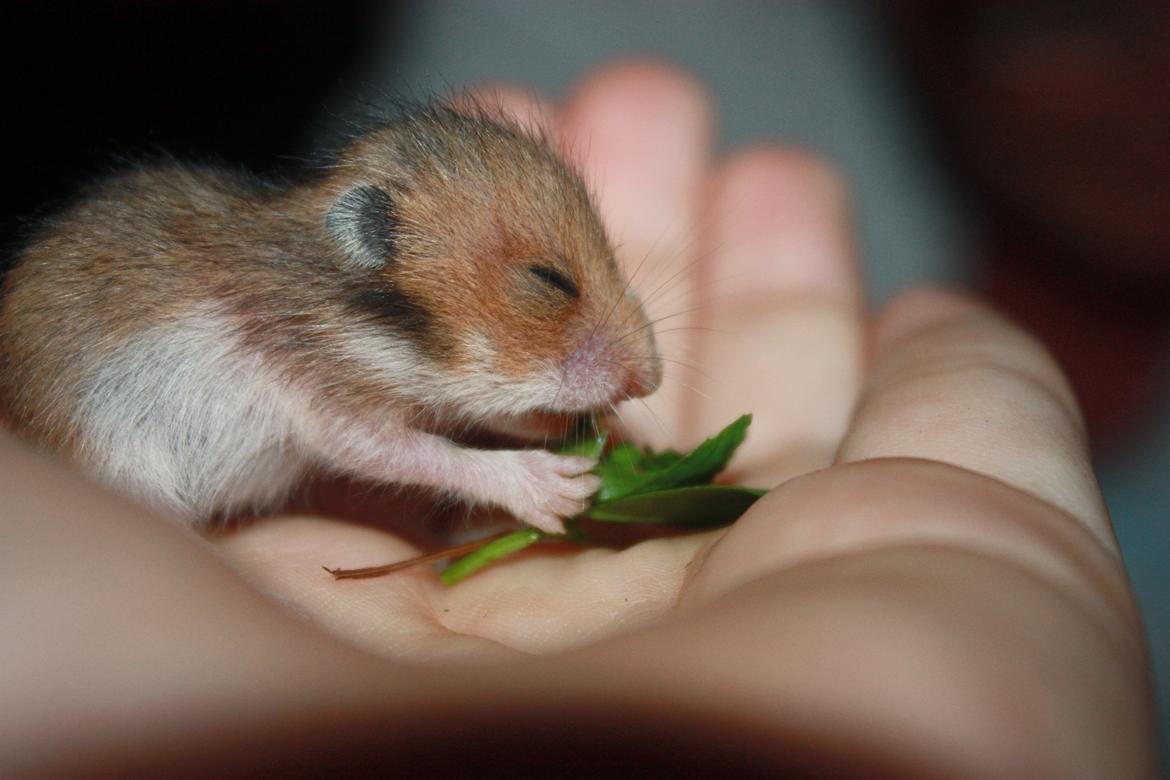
[(587, 438), (658, 461), (589, 447), (492, 551), (640, 486), (662, 471), (695, 507), (622, 468)]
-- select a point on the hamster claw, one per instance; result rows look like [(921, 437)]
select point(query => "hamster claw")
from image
[(558, 486)]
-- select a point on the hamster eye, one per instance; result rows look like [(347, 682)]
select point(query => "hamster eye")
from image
[(555, 279)]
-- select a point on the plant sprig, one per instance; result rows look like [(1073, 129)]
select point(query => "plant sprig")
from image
[(638, 485)]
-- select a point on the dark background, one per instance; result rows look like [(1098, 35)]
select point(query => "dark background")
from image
[(89, 84)]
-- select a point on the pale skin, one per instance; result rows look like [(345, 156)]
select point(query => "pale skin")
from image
[(933, 586)]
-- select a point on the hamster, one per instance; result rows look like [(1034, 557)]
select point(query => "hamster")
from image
[(200, 338)]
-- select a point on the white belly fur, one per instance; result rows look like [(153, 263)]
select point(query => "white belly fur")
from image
[(184, 420)]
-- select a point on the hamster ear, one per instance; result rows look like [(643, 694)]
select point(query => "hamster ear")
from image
[(364, 223)]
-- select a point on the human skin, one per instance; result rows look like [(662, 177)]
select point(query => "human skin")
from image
[(932, 588)]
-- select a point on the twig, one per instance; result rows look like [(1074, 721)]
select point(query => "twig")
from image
[(378, 571)]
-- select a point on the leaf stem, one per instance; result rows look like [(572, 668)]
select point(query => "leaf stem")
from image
[(438, 555), (494, 550)]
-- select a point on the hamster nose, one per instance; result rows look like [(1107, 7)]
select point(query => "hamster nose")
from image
[(643, 380)]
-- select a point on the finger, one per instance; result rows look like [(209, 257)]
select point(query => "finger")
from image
[(640, 133), (930, 654), (779, 321), (984, 556), (966, 437), (953, 382), (868, 507)]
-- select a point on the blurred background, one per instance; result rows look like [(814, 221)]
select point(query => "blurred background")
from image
[(1019, 148)]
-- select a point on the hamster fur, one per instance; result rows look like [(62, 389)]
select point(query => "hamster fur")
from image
[(199, 338)]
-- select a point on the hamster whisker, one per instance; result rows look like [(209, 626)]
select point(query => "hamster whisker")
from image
[(613, 407), (605, 318), (654, 245), (694, 390), (638, 330), (690, 365), (637, 269), (653, 416), (696, 328), (624, 292), (675, 278), (557, 395)]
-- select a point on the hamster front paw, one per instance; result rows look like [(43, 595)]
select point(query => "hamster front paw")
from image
[(556, 486), (536, 486)]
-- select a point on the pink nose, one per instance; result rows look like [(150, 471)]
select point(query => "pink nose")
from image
[(643, 380)]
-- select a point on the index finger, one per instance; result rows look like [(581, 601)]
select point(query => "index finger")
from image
[(640, 134)]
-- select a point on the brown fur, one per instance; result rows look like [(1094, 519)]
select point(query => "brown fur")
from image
[(476, 203)]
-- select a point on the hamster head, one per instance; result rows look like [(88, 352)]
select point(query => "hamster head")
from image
[(482, 278)]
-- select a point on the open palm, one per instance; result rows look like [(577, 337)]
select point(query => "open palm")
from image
[(933, 580)]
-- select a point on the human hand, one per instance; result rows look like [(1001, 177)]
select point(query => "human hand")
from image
[(932, 588)]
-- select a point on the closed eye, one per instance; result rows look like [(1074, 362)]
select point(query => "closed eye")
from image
[(555, 279)]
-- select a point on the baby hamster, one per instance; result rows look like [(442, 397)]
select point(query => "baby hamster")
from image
[(198, 338)]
